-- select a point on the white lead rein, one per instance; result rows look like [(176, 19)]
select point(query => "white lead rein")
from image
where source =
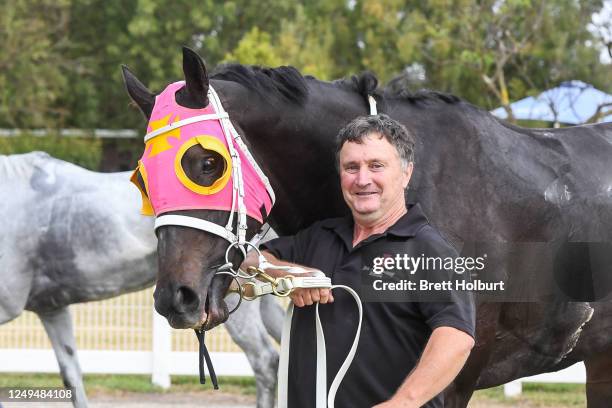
[(323, 399)]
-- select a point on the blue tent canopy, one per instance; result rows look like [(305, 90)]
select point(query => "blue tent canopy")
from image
[(573, 102)]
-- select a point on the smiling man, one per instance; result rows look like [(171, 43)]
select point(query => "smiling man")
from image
[(409, 350)]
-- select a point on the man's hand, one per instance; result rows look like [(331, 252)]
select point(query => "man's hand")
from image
[(306, 297), (300, 297)]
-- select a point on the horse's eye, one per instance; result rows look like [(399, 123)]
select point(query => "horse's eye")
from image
[(209, 165)]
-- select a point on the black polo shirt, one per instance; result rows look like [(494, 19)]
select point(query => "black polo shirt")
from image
[(393, 333)]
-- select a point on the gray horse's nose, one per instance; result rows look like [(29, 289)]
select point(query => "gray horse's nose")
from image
[(186, 300)]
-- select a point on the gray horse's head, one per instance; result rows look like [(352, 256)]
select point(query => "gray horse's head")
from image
[(188, 292)]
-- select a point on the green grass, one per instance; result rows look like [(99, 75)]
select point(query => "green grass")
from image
[(117, 384), (538, 395), (534, 394)]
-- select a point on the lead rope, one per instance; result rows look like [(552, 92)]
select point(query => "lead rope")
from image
[(204, 355), (322, 397)]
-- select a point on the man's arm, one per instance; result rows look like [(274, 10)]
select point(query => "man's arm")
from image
[(445, 354), (300, 297)]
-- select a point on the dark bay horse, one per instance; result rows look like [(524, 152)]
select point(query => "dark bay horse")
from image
[(71, 235), (478, 178)]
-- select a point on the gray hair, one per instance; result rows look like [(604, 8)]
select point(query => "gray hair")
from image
[(396, 134)]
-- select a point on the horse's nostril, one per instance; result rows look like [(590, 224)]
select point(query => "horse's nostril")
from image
[(186, 299)]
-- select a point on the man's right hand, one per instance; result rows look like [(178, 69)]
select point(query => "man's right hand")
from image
[(306, 297), (301, 297)]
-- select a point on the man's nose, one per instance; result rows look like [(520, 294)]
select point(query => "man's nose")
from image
[(363, 177)]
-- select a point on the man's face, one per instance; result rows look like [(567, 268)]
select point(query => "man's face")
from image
[(372, 178)]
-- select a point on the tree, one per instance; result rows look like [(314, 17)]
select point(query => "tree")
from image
[(33, 37)]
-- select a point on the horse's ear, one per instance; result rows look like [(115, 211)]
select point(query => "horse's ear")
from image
[(196, 78), (139, 93)]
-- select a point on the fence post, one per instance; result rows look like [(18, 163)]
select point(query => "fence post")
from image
[(162, 348), (513, 388)]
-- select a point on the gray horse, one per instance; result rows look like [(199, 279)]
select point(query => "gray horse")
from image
[(71, 235)]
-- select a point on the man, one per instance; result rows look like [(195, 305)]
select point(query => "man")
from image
[(409, 351)]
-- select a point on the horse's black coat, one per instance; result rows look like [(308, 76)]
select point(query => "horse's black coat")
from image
[(482, 181)]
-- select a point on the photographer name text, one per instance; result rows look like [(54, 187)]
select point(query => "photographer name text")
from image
[(425, 285)]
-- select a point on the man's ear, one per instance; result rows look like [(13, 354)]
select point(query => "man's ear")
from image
[(408, 174), (139, 93)]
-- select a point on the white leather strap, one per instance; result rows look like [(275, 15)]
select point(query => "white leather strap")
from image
[(197, 223), (321, 379), (333, 388), (283, 365), (184, 122), (308, 282), (372, 102), (323, 399), (229, 129), (260, 288)]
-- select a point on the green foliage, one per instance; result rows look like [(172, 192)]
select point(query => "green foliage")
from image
[(255, 48), (60, 60), (81, 151), (33, 37)]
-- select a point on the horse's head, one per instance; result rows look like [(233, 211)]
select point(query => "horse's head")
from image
[(204, 188)]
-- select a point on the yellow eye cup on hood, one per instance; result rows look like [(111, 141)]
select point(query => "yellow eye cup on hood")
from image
[(208, 143), (147, 208)]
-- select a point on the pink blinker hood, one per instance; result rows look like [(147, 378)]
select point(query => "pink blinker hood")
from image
[(167, 186)]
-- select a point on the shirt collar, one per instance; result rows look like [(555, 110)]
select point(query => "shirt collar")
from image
[(407, 226)]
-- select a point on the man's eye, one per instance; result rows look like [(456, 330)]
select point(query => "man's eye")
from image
[(377, 166), (351, 169), (209, 165)]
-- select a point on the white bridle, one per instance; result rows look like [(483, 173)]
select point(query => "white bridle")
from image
[(236, 238)]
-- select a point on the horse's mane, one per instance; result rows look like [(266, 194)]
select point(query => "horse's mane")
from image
[(285, 82), (397, 88), (289, 84), (20, 165)]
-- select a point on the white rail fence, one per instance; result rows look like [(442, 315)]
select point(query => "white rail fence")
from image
[(119, 336), (125, 336), (95, 133)]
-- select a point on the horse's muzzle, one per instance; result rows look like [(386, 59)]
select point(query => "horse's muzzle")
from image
[(184, 308)]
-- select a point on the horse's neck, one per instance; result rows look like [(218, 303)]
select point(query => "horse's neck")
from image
[(295, 146)]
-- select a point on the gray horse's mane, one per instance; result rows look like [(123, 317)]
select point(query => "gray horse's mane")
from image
[(20, 165)]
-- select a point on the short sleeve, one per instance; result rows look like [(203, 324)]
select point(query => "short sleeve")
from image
[(458, 309)]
